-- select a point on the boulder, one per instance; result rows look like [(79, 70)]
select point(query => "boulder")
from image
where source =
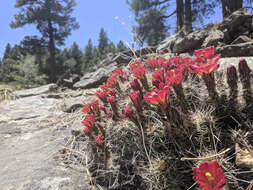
[(36, 91), (235, 50), (167, 44), (242, 39), (190, 42), (214, 37), (238, 23), (238, 18), (32, 131), (95, 79)]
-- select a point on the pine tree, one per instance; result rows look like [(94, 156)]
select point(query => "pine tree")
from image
[(87, 56), (7, 52), (152, 17), (76, 54), (110, 48), (53, 20), (10, 60), (103, 41), (121, 47)]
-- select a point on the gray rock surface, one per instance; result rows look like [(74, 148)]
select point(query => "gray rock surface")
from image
[(190, 42), (214, 37), (242, 39), (234, 50), (36, 91), (96, 78), (32, 131), (224, 62)]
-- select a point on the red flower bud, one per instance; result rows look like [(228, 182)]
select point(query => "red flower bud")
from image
[(101, 94), (112, 100), (131, 115), (136, 99), (87, 130), (88, 121), (102, 107), (135, 85), (109, 114), (99, 140)]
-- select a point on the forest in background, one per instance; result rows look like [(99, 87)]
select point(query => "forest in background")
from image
[(39, 60)]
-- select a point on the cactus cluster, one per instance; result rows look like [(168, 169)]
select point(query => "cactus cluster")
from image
[(167, 77)]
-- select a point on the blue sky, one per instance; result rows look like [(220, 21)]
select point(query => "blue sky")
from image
[(91, 15)]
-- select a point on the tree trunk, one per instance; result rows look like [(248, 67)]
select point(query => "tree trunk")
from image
[(229, 6), (188, 16), (52, 52), (180, 14)]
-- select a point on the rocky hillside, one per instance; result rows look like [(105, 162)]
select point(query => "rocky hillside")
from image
[(41, 135)]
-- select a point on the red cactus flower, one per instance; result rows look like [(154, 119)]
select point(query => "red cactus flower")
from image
[(92, 107), (109, 114), (111, 92), (159, 76), (158, 97), (118, 71), (206, 67), (135, 65), (174, 76), (203, 54), (156, 63), (140, 72), (86, 108), (121, 74), (101, 94), (136, 99), (206, 61), (177, 60), (87, 130), (152, 63), (104, 87), (113, 102), (210, 176), (99, 140), (112, 81), (88, 121), (135, 85)]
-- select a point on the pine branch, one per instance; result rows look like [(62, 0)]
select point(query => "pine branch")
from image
[(170, 14)]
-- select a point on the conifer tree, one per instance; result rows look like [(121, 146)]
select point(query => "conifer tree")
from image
[(87, 56), (103, 41), (121, 47), (53, 20)]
